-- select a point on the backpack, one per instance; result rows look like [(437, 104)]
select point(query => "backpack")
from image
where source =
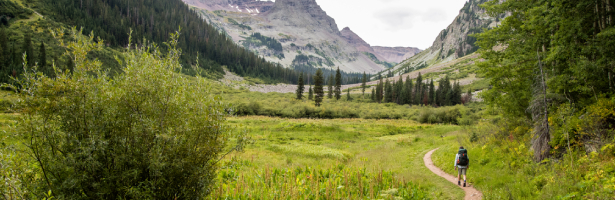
[(463, 158)]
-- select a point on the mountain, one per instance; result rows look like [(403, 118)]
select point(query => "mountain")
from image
[(147, 21), (295, 33), (455, 41), (243, 6), (385, 54), (395, 54)]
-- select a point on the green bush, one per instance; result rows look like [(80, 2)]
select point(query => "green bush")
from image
[(148, 133)]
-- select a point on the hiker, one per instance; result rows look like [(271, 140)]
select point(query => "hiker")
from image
[(462, 163)]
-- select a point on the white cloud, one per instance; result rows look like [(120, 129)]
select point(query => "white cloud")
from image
[(413, 23), (396, 18)]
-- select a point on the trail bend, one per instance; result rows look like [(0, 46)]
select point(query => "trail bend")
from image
[(471, 192)]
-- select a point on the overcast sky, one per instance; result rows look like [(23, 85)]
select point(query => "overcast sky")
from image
[(408, 23)]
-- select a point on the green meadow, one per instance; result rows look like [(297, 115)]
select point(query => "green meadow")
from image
[(356, 158)]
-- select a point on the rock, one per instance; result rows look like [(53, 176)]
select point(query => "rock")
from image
[(303, 14)]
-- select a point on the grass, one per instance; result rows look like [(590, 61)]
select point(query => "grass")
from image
[(502, 168), (342, 147)]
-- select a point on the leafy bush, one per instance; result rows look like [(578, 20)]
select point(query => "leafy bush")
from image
[(150, 133)]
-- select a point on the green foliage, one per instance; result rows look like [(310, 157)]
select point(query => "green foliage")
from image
[(300, 87), (9, 11), (495, 150), (556, 53), (338, 84), (318, 87), (314, 183), (141, 135)]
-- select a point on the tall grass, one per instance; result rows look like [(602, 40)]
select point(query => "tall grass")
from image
[(338, 182)]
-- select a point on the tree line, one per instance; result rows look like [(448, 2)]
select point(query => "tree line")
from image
[(420, 92), (400, 92)]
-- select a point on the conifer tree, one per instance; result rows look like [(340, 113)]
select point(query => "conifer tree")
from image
[(42, 57), (363, 84), (409, 88), (399, 87), (379, 91), (432, 93), (318, 84), (330, 87), (310, 93), (300, 87), (27, 48), (338, 84), (388, 92), (456, 94), (4, 51), (418, 90)]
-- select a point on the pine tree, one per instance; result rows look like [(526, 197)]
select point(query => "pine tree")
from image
[(409, 88), (42, 56), (300, 87), (432, 93), (388, 92), (456, 98), (27, 48), (418, 92), (399, 86), (318, 84), (310, 93), (363, 84), (330, 87), (338, 84), (4, 51), (379, 91)]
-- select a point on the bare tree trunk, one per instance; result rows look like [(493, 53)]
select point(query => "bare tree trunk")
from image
[(540, 115), (610, 81)]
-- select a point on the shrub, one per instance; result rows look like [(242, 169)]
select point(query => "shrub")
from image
[(150, 133)]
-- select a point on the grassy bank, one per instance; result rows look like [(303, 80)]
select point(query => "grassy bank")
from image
[(502, 168)]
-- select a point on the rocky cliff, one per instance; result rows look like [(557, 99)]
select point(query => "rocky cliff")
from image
[(301, 14), (455, 41), (357, 41)]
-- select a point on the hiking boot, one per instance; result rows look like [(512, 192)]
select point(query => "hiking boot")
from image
[(464, 184), (458, 182)]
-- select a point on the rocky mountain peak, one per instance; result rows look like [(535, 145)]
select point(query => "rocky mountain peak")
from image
[(355, 40), (302, 14)]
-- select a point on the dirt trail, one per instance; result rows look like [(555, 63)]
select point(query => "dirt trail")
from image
[(471, 192)]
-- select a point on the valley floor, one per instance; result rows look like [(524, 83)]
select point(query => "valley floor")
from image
[(342, 146)]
